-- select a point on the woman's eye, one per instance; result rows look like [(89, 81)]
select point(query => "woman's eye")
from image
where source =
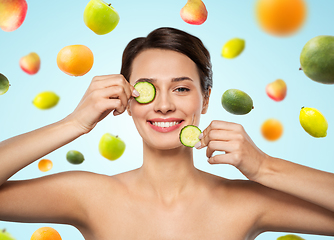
[(182, 89)]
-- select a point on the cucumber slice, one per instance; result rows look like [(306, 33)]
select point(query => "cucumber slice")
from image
[(146, 91), (189, 135)]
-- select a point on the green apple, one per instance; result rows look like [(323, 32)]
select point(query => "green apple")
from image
[(100, 17), (4, 84), (4, 235), (111, 147), (75, 157)]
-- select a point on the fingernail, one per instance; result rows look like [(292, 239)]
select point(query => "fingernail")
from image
[(200, 136), (135, 93), (116, 113), (198, 144)]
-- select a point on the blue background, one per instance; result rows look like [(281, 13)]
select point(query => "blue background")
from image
[(50, 26)]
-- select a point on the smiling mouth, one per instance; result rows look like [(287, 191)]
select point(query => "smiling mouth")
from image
[(165, 124)]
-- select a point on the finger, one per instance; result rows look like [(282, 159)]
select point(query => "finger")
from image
[(106, 81), (218, 146), (216, 134), (116, 92), (223, 125), (221, 159)]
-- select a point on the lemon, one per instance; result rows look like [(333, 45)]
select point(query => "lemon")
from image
[(46, 100), (313, 122), (290, 237), (233, 48)]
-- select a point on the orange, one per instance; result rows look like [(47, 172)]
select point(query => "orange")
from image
[(45, 233), (45, 165), (272, 129), (281, 17), (75, 60)]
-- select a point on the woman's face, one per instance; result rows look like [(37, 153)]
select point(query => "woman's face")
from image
[(178, 101)]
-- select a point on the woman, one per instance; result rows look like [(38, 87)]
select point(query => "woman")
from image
[(167, 197)]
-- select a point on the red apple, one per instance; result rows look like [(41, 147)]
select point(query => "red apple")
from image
[(12, 14), (194, 12), (276, 90), (30, 63)]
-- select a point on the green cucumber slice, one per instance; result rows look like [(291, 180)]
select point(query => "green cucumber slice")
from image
[(146, 91), (189, 135)]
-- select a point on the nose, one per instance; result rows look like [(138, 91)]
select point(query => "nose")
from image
[(163, 102)]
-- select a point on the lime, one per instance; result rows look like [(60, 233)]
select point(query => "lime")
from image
[(233, 48), (290, 237), (46, 100), (4, 84), (313, 122), (75, 157), (237, 102)]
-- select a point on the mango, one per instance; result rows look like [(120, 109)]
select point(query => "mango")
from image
[(237, 102), (317, 59)]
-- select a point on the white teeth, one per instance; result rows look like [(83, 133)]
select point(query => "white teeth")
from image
[(164, 124)]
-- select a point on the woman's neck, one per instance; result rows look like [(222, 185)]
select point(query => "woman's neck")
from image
[(168, 173)]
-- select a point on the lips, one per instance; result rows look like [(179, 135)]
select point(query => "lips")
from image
[(165, 124)]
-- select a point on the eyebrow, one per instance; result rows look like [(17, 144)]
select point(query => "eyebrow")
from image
[(153, 80)]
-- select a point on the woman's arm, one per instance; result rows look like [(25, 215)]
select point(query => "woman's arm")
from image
[(105, 94), (20, 151), (311, 189)]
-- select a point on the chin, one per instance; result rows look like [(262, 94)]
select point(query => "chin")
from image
[(164, 145)]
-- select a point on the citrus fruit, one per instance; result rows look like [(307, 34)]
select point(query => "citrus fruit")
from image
[(46, 100), (4, 84), (45, 233), (317, 60), (313, 122), (75, 157), (233, 47), (236, 102), (45, 165), (111, 147), (75, 60), (280, 17), (290, 237), (272, 129)]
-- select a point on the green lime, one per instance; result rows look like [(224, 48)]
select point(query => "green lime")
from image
[(233, 48), (46, 100), (237, 102), (75, 157), (313, 122), (4, 84), (290, 237)]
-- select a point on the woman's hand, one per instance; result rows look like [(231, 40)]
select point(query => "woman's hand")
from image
[(240, 151), (104, 94)]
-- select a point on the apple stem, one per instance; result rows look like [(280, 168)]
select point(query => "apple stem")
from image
[(253, 107), (4, 230), (109, 4), (116, 136), (300, 68), (302, 107)]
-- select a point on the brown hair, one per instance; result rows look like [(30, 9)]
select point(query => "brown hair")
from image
[(175, 40)]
